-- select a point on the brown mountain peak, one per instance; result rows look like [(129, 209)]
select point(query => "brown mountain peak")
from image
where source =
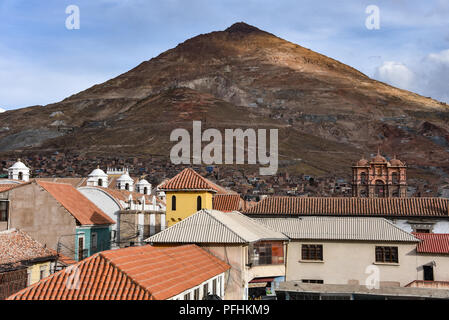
[(242, 27)]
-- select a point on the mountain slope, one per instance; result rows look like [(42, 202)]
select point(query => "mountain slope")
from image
[(329, 113)]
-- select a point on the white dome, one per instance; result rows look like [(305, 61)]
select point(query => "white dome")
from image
[(98, 173), (125, 178), (19, 165), (143, 182)]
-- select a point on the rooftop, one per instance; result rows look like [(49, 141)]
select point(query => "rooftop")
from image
[(211, 226), (17, 248), (81, 208), (400, 292), (136, 273), (339, 228), (384, 207), (433, 243), (189, 179)]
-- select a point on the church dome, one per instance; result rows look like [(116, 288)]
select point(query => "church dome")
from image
[(362, 162), (379, 158), (396, 162), (19, 165), (143, 183), (125, 178), (98, 173)]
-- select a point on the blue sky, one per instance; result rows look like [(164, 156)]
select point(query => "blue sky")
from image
[(42, 62)]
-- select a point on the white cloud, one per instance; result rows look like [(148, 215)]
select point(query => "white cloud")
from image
[(2, 110), (440, 57), (428, 76), (396, 74)]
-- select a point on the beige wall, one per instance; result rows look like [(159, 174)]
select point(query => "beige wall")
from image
[(346, 263), (236, 280), (440, 269), (36, 212), (233, 255)]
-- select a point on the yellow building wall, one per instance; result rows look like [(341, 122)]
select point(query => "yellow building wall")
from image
[(186, 204), (34, 271)]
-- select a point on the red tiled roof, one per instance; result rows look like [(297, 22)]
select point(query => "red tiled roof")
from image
[(6, 187), (63, 259), (227, 202), (81, 208), (17, 247), (188, 179), (136, 273), (433, 243), (428, 207)]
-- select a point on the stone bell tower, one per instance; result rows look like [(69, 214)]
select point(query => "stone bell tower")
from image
[(379, 178)]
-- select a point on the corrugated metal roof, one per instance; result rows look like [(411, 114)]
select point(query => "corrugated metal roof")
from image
[(339, 228), (211, 226), (416, 207)]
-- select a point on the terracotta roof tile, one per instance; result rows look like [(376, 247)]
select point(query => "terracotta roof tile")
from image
[(17, 247), (6, 187), (188, 179), (433, 243), (81, 208), (227, 202), (137, 273), (429, 207)]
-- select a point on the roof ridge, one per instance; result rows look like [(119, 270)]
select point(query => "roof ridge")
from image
[(244, 240)]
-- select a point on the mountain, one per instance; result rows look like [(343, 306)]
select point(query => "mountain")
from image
[(328, 113)]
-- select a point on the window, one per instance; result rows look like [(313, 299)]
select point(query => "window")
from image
[(199, 205), (387, 254), (265, 253), (145, 190), (100, 182), (43, 273), (422, 231), (214, 287), (428, 273), (94, 241), (173, 203), (205, 290), (80, 247), (312, 281), (395, 178), (20, 176), (196, 294), (127, 186), (3, 211), (380, 189), (363, 178), (187, 296), (312, 252)]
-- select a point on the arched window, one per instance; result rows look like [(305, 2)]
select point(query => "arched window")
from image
[(20, 176), (127, 186), (145, 190), (363, 178), (100, 182), (173, 203), (380, 189), (199, 205), (395, 178)]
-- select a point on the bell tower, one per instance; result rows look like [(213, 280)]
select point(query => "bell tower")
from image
[(379, 178)]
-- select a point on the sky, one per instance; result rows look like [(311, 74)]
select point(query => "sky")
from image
[(42, 61)]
